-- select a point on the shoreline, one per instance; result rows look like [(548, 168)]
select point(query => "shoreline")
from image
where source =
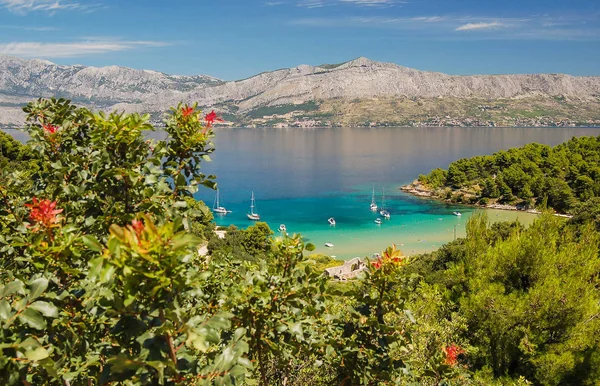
[(417, 189)]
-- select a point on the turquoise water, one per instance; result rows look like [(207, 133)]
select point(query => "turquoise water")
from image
[(415, 225), (303, 177)]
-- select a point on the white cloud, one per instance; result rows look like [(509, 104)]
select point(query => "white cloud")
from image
[(51, 6), (480, 26), (536, 27), (363, 3), (427, 19), (73, 49)]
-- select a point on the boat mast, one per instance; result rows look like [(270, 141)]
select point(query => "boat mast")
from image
[(373, 196), (218, 205), (252, 204)]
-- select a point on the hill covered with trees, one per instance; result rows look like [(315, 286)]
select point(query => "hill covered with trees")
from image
[(564, 177), (102, 282)]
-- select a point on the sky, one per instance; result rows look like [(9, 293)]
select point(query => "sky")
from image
[(235, 39)]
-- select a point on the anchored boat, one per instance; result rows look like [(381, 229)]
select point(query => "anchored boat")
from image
[(217, 208), (252, 216)]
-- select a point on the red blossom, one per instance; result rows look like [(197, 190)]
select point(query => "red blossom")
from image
[(210, 118), (50, 129), (377, 264), (187, 111), (138, 227), (44, 212), (452, 352)]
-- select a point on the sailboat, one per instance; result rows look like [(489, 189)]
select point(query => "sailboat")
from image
[(252, 216), (217, 208), (373, 204), (383, 211)]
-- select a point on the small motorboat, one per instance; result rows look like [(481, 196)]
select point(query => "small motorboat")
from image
[(385, 214), (378, 221), (457, 213), (282, 228), (331, 221), (329, 245)]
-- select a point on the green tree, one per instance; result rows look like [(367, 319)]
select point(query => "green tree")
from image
[(456, 177)]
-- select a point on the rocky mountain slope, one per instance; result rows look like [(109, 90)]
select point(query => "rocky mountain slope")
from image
[(301, 93)]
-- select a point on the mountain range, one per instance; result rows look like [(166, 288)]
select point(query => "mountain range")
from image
[(358, 92)]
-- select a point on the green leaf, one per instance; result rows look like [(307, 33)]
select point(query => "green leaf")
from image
[(184, 240), (150, 179), (38, 286), (296, 329), (33, 318), (4, 310), (11, 288), (310, 247), (47, 309), (92, 243), (410, 316), (37, 355), (89, 221)]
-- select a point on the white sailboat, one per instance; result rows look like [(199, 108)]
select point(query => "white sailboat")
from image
[(373, 204), (383, 211), (217, 208), (252, 216)]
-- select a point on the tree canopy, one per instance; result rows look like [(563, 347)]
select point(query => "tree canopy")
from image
[(561, 177)]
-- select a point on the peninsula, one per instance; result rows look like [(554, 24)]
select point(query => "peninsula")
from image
[(564, 178)]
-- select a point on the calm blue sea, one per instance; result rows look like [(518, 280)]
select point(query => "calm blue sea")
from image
[(301, 177)]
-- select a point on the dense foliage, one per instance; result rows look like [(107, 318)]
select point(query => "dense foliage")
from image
[(529, 299), (561, 177), (102, 282)]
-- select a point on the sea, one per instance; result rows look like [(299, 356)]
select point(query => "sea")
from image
[(303, 177)]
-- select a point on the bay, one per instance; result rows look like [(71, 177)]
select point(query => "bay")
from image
[(302, 177)]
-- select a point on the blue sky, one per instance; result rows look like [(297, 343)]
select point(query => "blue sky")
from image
[(233, 39)]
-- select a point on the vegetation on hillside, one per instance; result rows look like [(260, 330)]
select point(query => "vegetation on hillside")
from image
[(101, 280), (448, 111), (527, 299), (564, 177)]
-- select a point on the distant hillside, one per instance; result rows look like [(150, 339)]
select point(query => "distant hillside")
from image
[(358, 92)]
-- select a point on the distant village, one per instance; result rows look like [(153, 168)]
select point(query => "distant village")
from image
[(298, 119)]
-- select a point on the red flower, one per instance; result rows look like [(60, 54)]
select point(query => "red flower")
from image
[(138, 227), (187, 111), (50, 129), (377, 264), (452, 352), (44, 212), (211, 117)]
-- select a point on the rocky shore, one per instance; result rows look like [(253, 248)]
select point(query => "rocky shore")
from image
[(417, 189)]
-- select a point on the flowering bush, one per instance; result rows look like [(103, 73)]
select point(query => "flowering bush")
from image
[(101, 281)]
